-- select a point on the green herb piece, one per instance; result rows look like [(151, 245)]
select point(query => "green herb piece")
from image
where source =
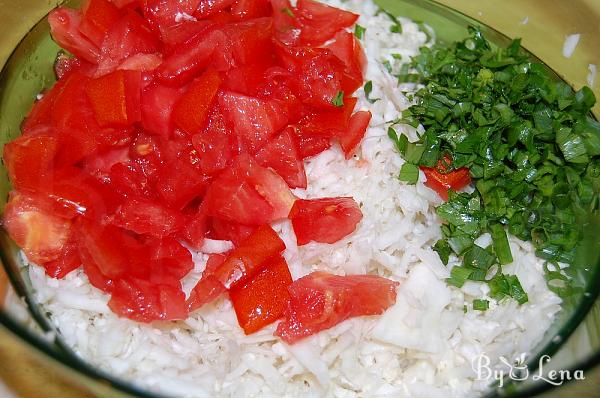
[(387, 65), (338, 100), (288, 11), (481, 305), (368, 89), (396, 28), (359, 32), (409, 173), (458, 276), (500, 242)]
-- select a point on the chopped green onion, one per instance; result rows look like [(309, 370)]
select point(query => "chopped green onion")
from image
[(288, 11), (338, 100), (387, 65), (500, 243), (481, 305), (359, 31), (368, 88)]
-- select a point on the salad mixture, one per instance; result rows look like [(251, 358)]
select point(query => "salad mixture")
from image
[(217, 196)]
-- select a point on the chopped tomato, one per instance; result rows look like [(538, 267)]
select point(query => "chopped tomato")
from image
[(158, 102), (229, 230), (206, 290), (41, 111), (348, 49), (357, 127), (66, 64), (195, 228), (191, 110), (254, 120), (163, 14), (128, 179), (263, 299), (251, 40), (142, 62), (281, 155), (216, 145), (180, 183), (249, 257), (167, 259), (176, 35), (320, 301), (320, 22), (249, 9), (249, 194), (324, 220), (29, 159), (144, 216), (210, 7), (116, 98), (443, 177), (67, 261), (287, 29), (42, 235), (98, 17), (144, 301), (327, 123), (64, 26)]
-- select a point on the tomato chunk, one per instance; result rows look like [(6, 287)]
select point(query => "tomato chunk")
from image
[(42, 235), (249, 9), (98, 17), (144, 301), (158, 102), (249, 194), (145, 216), (320, 22), (64, 26), (211, 7), (443, 178), (216, 145), (320, 301), (324, 220), (281, 155), (191, 111), (350, 140), (249, 257), (229, 230), (116, 98), (163, 14), (29, 159), (263, 299)]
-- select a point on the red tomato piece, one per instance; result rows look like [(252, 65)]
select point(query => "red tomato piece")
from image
[(100, 165), (158, 102), (311, 146), (324, 220), (128, 179), (249, 257), (126, 3), (30, 158), (251, 40), (321, 22), (281, 154), (167, 259), (98, 17), (41, 111), (144, 301), (129, 36), (216, 145), (176, 35), (145, 216), (287, 28), (206, 290), (249, 9), (190, 112), (64, 27), (443, 178), (229, 230), (67, 261), (189, 59), (320, 301), (249, 194), (350, 140), (195, 228), (329, 123), (254, 120), (179, 182), (263, 299), (116, 98), (348, 49), (42, 235), (211, 7), (162, 14), (65, 64), (142, 62)]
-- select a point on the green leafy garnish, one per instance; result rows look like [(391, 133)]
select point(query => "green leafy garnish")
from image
[(532, 149), (409, 173), (288, 11), (368, 88), (338, 100), (481, 305), (359, 31)]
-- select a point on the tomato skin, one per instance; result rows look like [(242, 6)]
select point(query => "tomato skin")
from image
[(29, 159), (98, 17), (116, 97), (357, 127), (144, 216), (42, 235), (144, 301), (64, 27), (67, 262), (249, 194), (254, 120), (321, 22), (249, 257), (320, 301), (281, 155), (329, 123), (324, 220), (441, 181), (191, 111), (348, 49), (263, 299)]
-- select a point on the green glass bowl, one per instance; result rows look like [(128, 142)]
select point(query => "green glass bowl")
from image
[(573, 341)]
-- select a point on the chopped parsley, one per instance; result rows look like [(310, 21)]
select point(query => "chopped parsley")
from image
[(368, 89), (288, 11), (338, 100), (359, 31), (409, 173), (532, 149), (481, 305)]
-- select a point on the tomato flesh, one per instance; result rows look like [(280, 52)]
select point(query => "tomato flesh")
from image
[(263, 299), (324, 220), (115, 98), (98, 17), (320, 301), (281, 155), (441, 180), (64, 26), (190, 112), (357, 127)]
